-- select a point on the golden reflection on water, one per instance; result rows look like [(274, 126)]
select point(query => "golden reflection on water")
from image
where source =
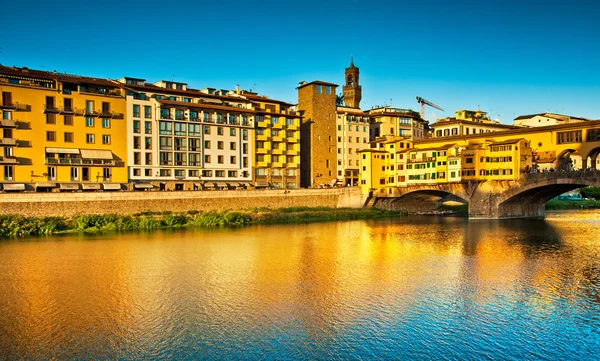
[(137, 294)]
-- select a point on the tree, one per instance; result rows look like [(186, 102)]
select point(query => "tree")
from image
[(339, 100)]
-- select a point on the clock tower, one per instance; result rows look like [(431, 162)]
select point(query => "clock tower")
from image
[(352, 91)]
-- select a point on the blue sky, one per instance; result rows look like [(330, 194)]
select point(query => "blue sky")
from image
[(507, 57)]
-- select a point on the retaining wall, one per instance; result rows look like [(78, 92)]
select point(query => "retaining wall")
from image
[(67, 204)]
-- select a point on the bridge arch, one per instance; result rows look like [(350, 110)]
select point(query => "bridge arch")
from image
[(529, 199), (591, 159), (415, 199)]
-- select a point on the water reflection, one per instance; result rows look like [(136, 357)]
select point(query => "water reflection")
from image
[(410, 288)]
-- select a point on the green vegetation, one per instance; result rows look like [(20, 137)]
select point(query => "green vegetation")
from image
[(18, 226), (590, 192), (554, 205), (459, 208)]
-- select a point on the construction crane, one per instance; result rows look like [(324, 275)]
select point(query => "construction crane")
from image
[(424, 102)]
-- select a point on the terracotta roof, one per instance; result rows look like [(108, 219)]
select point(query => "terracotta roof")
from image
[(352, 111), (528, 116), (509, 141), (189, 92), (301, 85), (262, 98), (60, 77), (441, 122)]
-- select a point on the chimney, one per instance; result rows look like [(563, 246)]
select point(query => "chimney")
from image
[(237, 89)]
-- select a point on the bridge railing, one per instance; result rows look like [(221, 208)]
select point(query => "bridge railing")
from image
[(560, 174)]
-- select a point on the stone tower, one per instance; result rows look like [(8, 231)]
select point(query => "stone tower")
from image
[(352, 91)]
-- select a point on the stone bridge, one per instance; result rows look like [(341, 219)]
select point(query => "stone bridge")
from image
[(522, 198)]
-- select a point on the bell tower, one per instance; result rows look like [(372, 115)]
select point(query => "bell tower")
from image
[(352, 91)]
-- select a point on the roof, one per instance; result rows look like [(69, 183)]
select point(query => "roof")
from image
[(262, 98), (349, 110), (189, 92), (549, 115), (445, 121), (509, 141), (443, 147), (60, 77), (320, 82), (474, 111)]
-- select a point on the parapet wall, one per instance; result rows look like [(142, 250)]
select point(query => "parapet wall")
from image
[(68, 204)]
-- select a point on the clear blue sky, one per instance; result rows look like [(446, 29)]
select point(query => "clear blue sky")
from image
[(508, 57)]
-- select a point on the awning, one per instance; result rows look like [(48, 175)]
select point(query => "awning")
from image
[(96, 154), (88, 186), (69, 186), (209, 185), (45, 185), (243, 184), (111, 186), (14, 186), (198, 184), (262, 184), (143, 186), (62, 150), (221, 184)]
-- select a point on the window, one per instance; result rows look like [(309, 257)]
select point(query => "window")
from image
[(232, 131), (180, 129), (206, 129), (318, 89), (136, 110), (74, 173), (68, 137), (207, 144), (232, 146), (232, 159), (68, 120), (328, 90), (105, 123), (136, 125), (147, 127), (219, 130), (219, 145), (137, 158), (165, 128), (245, 134), (147, 112), (50, 118), (89, 138), (207, 173), (136, 143), (51, 136), (106, 173), (147, 143), (219, 173), (105, 139), (220, 159), (8, 172), (148, 172), (89, 122), (194, 130), (206, 160)]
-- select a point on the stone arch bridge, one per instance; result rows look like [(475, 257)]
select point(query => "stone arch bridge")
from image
[(522, 198)]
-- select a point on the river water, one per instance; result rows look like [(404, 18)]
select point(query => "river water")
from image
[(400, 289)]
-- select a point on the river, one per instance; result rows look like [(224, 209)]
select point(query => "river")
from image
[(398, 289)]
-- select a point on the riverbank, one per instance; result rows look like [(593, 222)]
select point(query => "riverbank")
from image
[(14, 226), (555, 205)]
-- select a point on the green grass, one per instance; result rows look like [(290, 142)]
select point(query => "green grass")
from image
[(561, 205), (17, 226)]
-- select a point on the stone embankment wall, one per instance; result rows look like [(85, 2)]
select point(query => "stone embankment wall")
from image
[(68, 204)]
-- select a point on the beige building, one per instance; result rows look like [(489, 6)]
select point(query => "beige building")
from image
[(544, 119), (352, 137), (182, 139), (467, 122)]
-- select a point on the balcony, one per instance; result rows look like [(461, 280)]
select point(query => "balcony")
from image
[(291, 152), (292, 140), (90, 113), (277, 126), (109, 114), (180, 117), (262, 124), (262, 137), (50, 108), (278, 139), (262, 151), (15, 106), (8, 123), (262, 164), (277, 165), (276, 151), (292, 127), (70, 111), (292, 165), (80, 161), (9, 160), (11, 142), (166, 116)]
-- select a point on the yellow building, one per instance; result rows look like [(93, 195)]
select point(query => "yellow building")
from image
[(388, 121), (277, 158), (61, 131)]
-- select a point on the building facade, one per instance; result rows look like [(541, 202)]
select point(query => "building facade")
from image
[(61, 131), (389, 121), (467, 122)]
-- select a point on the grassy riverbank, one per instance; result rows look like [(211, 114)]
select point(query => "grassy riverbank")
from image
[(555, 205), (18, 226)]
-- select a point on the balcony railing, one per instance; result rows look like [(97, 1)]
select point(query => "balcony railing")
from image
[(15, 106), (166, 116), (8, 160), (109, 114), (70, 111), (8, 123), (80, 161), (8, 141), (51, 108), (90, 113)]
